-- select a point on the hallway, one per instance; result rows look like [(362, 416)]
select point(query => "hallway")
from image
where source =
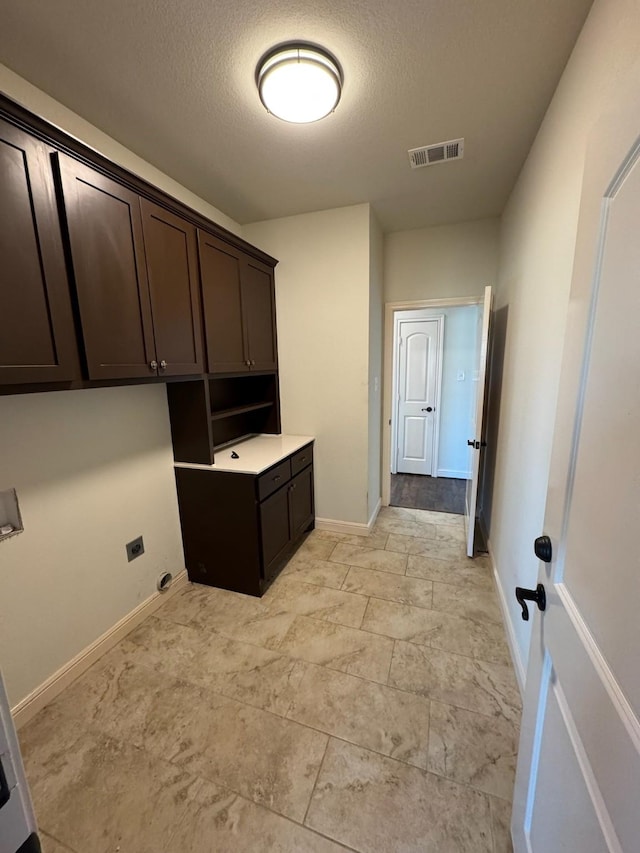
[(367, 702), (439, 494)]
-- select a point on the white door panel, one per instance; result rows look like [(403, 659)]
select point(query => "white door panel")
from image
[(578, 778), (418, 353), (471, 497), (415, 436), (418, 373), (576, 826)]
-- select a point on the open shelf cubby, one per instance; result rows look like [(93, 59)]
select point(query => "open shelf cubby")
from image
[(217, 410)]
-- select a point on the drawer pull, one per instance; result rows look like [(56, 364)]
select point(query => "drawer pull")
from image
[(276, 478), (303, 458)]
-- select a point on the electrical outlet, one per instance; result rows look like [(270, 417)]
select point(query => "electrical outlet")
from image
[(135, 548)]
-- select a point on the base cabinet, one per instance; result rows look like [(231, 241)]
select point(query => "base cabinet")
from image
[(239, 529)]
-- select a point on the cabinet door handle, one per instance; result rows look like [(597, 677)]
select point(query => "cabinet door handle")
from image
[(248, 363), (163, 365), (153, 365)]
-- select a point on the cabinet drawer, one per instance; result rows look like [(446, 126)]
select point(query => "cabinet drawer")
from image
[(301, 459), (273, 479)]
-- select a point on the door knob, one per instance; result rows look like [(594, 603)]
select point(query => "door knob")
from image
[(543, 549), (538, 595), (428, 409)]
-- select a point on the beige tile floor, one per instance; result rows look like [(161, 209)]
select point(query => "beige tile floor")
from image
[(367, 702)]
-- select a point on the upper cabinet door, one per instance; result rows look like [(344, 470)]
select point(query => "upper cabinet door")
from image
[(258, 305), (107, 250), (220, 273), (172, 269), (37, 336)]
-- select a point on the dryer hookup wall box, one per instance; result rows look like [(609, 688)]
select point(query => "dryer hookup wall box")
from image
[(10, 518)]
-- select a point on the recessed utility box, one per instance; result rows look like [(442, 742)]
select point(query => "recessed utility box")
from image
[(10, 518)]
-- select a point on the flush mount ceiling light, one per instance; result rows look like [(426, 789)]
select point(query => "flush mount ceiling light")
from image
[(299, 83)]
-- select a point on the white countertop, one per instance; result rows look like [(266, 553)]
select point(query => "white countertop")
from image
[(254, 454)]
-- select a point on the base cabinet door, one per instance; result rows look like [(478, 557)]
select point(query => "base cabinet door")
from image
[(37, 335), (275, 526), (301, 502)]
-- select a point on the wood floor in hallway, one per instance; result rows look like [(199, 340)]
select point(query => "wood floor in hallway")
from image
[(439, 494)]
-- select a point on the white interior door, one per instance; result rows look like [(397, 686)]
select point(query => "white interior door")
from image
[(476, 442), (417, 385), (578, 779)]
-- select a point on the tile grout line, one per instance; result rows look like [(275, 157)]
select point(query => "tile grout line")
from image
[(364, 614), (429, 646), (313, 790), (393, 651), (57, 840), (333, 736)]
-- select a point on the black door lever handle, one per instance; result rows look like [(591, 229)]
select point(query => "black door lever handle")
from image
[(538, 595)]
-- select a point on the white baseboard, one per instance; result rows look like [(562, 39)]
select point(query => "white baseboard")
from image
[(56, 683), (351, 527), (374, 514), (457, 475), (514, 648)]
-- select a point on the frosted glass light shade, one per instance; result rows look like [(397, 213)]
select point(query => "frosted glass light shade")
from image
[(299, 84)]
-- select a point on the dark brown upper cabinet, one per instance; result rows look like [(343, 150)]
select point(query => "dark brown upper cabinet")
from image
[(259, 313), (172, 269), (37, 336), (135, 268), (109, 266), (239, 308)]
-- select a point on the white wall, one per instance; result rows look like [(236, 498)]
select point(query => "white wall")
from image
[(376, 311), (93, 470), (322, 298), (43, 105), (536, 258), (442, 261)]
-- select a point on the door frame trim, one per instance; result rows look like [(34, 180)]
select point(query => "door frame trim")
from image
[(390, 309), (435, 435)]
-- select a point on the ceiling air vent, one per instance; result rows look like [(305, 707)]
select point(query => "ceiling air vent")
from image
[(440, 153)]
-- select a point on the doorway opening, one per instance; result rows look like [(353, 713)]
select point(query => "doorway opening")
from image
[(435, 360)]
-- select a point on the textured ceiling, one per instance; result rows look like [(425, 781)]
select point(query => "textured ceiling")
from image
[(173, 80)]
